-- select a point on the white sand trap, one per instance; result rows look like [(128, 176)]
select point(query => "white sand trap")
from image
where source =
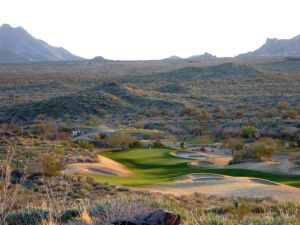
[(210, 158), (226, 186), (295, 170), (105, 166), (261, 181), (287, 168), (200, 176), (190, 155), (202, 164)]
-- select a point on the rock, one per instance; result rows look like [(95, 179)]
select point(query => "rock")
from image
[(122, 223), (157, 217)]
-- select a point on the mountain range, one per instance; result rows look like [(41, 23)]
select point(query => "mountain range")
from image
[(18, 46), (277, 48), (205, 56)]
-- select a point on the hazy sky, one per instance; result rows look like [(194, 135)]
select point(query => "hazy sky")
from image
[(154, 29)]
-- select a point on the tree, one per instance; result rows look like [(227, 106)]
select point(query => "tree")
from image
[(45, 129), (249, 131), (122, 140), (235, 143), (263, 148)]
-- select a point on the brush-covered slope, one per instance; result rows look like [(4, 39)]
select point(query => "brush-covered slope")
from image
[(218, 71), (111, 97)]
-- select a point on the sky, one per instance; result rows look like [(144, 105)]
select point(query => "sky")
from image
[(154, 29)]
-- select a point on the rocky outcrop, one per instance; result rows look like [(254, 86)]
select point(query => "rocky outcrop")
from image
[(277, 48), (157, 217)]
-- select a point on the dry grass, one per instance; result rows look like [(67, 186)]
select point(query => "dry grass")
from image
[(48, 222), (8, 191), (85, 217)]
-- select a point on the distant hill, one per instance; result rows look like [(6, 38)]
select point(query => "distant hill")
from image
[(205, 56), (99, 59), (209, 72), (277, 48), (173, 57), (112, 97), (18, 46)]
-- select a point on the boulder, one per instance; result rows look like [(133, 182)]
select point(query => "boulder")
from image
[(157, 217)]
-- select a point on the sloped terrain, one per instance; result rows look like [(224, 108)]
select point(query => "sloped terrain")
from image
[(18, 46), (277, 48)]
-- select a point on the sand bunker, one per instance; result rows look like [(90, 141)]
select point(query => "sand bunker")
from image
[(204, 159), (202, 176), (260, 181), (225, 186), (105, 166), (295, 170), (190, 155), (202, 164)]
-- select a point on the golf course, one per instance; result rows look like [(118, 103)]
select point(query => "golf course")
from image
[(159, 166)]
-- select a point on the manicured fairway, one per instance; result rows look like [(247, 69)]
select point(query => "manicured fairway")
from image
[(158, 166)]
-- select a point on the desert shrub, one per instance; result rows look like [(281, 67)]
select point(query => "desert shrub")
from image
[(100, 136), (69, 214), (263, 148), (50, 164), (206, 139), (290, 133), (83, 143), (153, 111), (31, 216), (249, 131), (240, 157), (235, 143), (290, 114), (197, 130), (281, 105), (13, 127), (94, 120), (269, 112), (121, 140), (45, 129), (103, 112), (136, 144), (158, 144), (200, 114), (295, 158)]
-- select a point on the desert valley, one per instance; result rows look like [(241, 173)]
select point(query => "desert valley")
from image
[(197, 140)]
